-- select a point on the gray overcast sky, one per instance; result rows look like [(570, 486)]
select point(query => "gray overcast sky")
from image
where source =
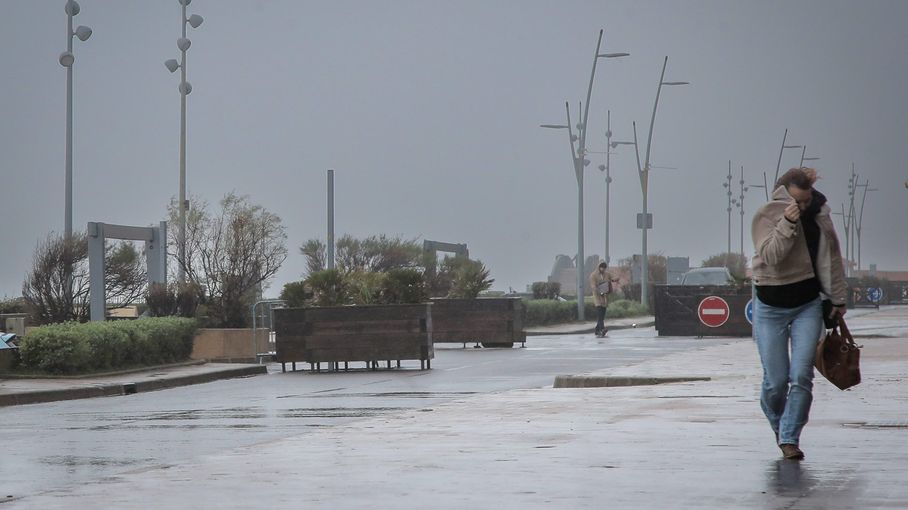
[(429, 113)]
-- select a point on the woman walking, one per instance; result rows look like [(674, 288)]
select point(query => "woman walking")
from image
[(797, 264)]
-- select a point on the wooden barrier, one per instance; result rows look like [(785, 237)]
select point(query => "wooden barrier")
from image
[(493, 322), (676, 310), (369, 333)]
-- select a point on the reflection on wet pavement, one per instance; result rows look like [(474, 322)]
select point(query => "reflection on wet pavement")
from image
[(796, 483)]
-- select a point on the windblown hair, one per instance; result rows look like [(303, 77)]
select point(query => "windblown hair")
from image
[(802, 177)]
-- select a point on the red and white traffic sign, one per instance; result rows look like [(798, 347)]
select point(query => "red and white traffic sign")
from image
[(713, 311)]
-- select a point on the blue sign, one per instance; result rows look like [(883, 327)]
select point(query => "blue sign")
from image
[(749, 311), (874, 294)]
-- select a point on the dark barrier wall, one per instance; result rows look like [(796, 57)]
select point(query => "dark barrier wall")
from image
[(882, 293), (354, 333), (676, 310)]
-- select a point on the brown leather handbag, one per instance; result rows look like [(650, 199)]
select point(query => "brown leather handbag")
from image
[(838, 357)]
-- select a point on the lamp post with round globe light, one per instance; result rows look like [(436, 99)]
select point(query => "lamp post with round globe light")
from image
[(66, 60), (578, 157), (185, 88), (609, 145)]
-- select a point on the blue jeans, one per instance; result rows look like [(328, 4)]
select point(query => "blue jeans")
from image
[(787, 381)]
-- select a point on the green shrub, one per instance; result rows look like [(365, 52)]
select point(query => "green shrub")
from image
[(404, 286), (328, 287), (57, 349), (180, 299), (70, 348), (546, 290), (296, 294), (470, 277), (160, 300), (541, 312), (546, 311), (538, 290), (621, 308), (364, 288)]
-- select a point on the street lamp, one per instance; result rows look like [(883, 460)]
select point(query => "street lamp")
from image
[(861, 216), (764, 186), (609, 144), (578, 157), (739, 203), (645, 223), (66, 60), (803, 158), (727, 186), (185, 89), (779, 163)]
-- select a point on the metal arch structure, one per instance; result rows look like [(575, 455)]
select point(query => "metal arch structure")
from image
[(155, 257), (436, 246)]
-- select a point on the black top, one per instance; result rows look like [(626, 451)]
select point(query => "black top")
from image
[(799, 293)]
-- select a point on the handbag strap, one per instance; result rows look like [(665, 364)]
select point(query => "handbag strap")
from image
[(846, 335)]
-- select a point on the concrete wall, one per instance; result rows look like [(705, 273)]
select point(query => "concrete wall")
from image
[(228, 345)]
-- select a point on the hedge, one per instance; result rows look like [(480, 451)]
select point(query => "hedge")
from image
[(70, 348), (547, 311)]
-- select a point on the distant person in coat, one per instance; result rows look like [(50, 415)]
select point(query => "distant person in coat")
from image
[(601, 284)]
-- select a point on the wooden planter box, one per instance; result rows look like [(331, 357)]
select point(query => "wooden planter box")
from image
[(493, 322), (369, 333), (676, 310)]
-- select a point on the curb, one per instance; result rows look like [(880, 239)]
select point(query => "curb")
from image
[(609, 381), (96, 375), (112, 389), (589, 330)]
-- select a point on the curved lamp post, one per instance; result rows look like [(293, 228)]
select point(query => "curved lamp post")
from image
[(66, 60), (185, 89), (644, 181), (578, 157), (609, 145)]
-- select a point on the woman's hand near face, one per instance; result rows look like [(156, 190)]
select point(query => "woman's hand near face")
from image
[(792, 212)]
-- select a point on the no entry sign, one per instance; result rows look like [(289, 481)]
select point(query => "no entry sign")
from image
[(713, 311)]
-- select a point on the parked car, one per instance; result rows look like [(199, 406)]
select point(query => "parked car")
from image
[(707, 276)]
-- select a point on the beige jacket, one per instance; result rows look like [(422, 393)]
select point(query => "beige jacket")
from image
[(595, 279), (781, 256)]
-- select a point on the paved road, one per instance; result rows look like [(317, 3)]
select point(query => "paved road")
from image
[(54, 445)]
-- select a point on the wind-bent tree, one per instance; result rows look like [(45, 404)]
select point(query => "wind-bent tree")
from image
[(56, 288), (230, 254)]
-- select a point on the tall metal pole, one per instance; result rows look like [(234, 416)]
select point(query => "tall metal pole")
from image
[(727, 186), (608, 180), (67, 60), (741, 208), (68, 202), (851, 213), (644, 183), (847, 232), (579, 164), (860, 218), (330, 255), (779, 163), (181, 271)]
